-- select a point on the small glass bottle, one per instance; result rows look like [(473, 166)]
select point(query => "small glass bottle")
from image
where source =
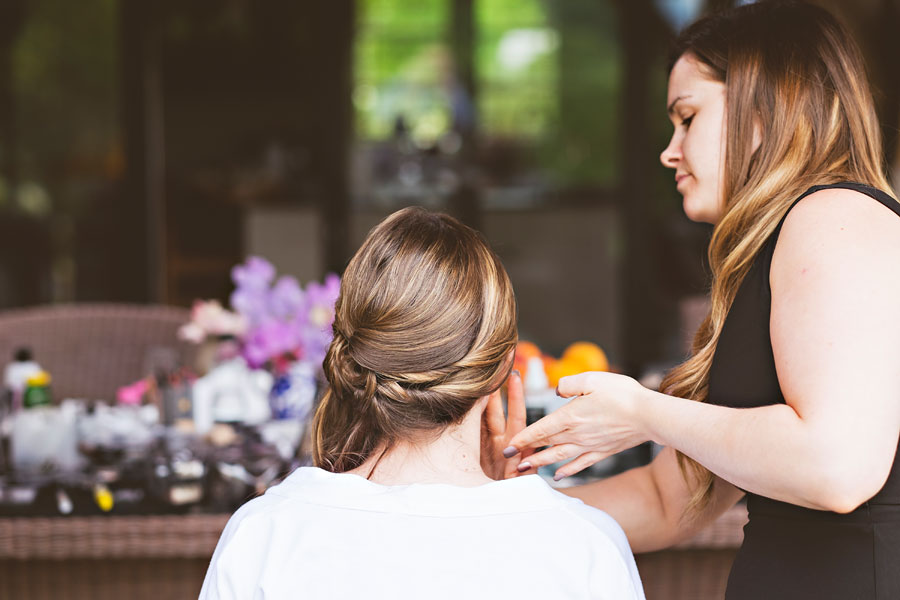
[(537, 391)]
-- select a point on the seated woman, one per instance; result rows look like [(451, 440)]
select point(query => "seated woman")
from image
[(399, 505)]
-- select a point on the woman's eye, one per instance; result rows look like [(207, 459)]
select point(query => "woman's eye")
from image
[(686, 122)]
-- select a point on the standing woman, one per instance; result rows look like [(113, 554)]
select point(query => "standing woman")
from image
[(792, 393)]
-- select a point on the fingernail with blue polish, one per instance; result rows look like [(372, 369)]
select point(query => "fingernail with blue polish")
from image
[(510, 451), (523, 467), (558, 476), (516, 373)]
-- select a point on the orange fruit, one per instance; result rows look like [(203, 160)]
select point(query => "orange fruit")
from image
[(548, 361), (524, 352), (553, 373), (588, 355), (527, 350), (563, 368)]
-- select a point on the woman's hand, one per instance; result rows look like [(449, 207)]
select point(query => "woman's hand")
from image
[(601, 420), (498, 429)]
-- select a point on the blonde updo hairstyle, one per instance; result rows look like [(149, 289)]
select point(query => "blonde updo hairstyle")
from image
[(425, 326), (794, 75)]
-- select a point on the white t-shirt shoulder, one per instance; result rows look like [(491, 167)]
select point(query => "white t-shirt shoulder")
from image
[(327, 535), (608, 526)]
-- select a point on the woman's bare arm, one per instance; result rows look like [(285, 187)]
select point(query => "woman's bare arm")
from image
[(649, 503), (835, 332)]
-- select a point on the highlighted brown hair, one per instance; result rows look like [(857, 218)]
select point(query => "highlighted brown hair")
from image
[(424, 326)]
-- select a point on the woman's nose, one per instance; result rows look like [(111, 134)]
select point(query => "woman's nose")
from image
[(672, 153)]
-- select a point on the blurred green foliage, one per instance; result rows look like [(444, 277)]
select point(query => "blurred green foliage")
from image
[(547, 79), (517, 68), (401, 59), (586, 148)]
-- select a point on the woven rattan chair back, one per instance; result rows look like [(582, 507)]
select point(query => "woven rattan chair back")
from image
[(91, 350)]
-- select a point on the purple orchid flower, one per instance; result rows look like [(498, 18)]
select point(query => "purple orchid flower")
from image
[(270, 339), (321, 298), (257, 273), (285, 322), (286, 300), (318, 333), (252, 303)]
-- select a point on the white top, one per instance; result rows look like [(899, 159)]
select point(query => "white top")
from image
[(335, 535)]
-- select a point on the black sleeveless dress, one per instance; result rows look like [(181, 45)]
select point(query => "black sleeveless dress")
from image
[(791, 552)]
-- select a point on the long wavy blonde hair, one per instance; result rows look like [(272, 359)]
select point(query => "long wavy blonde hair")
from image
[(425, 325), (793, 74)]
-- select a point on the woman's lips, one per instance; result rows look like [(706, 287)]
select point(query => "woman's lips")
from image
[(679, 179)]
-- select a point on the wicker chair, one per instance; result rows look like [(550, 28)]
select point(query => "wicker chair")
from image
[(91, 350)]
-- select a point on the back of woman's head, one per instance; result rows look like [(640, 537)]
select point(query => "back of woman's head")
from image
[(424, 326), (798, 113)]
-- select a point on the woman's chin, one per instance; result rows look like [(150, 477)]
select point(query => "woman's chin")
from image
[(698, 214)]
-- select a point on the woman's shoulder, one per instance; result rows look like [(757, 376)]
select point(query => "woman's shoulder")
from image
[(242, 550), (598, 521), (253, 514), (845, 201), (840, 225), (607, 540)]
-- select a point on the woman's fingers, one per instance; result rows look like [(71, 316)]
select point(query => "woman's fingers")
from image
[(493, 415), (549, 456), (579, 464), (577, 385), (498, 427), (597, 422), (515, 404), (539, 433)]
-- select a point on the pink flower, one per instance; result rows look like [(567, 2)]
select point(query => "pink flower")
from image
[(191, 332), (132, 394), (208, 318)]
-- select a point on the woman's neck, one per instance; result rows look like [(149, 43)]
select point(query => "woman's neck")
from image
[(454, 457)]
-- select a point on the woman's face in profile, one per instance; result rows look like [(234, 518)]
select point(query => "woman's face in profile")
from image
[(696, 106)]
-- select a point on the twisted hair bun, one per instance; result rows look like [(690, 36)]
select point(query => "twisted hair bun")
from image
[(424, 327)]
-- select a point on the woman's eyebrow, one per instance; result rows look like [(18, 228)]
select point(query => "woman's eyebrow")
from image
[(671, 108)]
